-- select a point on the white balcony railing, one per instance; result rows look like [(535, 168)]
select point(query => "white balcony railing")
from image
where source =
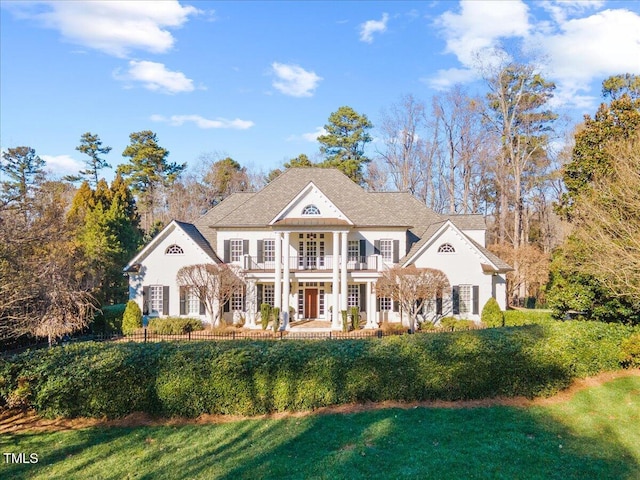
[(308, 262)]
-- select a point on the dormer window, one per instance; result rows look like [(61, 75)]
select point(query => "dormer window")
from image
[(174, 250), (446, 248), (310, 210)]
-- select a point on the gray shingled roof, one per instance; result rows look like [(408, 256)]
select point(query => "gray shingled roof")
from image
[(361, 207), (383, 209), (195, 235)]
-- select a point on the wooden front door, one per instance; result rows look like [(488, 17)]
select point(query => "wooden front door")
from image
[(311, 303)]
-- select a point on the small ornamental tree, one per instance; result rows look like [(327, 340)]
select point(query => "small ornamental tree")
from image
[(276, 319), (132, 318), (411, 287), (214, 285), (491, 315)]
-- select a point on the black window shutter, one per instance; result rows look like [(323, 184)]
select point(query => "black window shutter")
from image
[(456, 299), (396, 251), (476, 299), (227, 306), (244, 299), (363, 248), (363, 296), (203, 306), (377, 304), (439, 304), (376, 247), (260, 251), (227, 251), (245, 247), (145, 300), (396, 306), (165, 300), (259, 295), (183, 301)]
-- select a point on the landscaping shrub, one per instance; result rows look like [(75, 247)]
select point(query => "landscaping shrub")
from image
[(109, 319), (265, 313), (174, 325), (275, 312), (132, 318), (355, 318), (256, 377), (630, 351), (491, 315), (516, 318), (455, 325)]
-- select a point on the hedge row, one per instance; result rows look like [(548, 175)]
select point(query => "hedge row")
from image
[(254, 377), (174, 325)]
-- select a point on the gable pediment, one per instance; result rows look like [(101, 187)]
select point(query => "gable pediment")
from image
[(311, 206)]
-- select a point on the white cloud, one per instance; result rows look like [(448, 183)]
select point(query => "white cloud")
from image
[(155, 77), (577, 44), (445, 79), (308, 137), (204, 123), (294, 80), (113, 27), (62, 164), (368, 28), (600, 45), (481, 25)]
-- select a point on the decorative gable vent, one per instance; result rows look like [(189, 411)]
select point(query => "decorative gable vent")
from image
[(310, 210), (174, 250), (446, 248)]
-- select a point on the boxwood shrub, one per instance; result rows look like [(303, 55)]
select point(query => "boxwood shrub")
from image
[(255, 377), (108, 319), (174, 325)]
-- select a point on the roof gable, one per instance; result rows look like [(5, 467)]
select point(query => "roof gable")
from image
[(189, 231), (491, 262), (309, 205)]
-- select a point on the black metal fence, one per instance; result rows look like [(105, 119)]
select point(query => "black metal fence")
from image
[(144, 336)]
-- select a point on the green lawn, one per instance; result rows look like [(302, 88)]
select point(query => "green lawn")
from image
[(594, 436)]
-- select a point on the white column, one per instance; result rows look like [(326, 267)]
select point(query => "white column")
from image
[(252, 300), (335, 286), (371, 308), (343, 272), (277, 289), (286, 285)]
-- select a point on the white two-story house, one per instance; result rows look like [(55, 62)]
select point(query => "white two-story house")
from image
[(313, 243)]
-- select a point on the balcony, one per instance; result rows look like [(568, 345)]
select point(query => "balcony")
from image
[(313, 263)]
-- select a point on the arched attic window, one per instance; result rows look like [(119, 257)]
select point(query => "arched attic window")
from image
[(174, 250), (310, 210), (446, 248)]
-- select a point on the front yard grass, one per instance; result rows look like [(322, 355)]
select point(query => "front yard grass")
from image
[(594, 435)]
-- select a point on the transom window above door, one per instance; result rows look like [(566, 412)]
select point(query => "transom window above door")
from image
[(311, 210)]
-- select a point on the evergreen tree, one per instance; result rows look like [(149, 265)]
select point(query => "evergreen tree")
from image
[(91, 145), (24, 171), (345, 141), (147, 170)]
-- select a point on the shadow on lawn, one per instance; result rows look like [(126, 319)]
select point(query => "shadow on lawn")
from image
[(493, 443)]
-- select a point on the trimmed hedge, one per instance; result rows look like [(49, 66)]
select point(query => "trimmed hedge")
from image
[(256, 377), (174, 325), (109, 319)]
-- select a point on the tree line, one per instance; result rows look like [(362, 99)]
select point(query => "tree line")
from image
[(567, 220)]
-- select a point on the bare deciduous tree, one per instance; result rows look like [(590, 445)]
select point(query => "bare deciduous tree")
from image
[(411, 287), (213, 284)]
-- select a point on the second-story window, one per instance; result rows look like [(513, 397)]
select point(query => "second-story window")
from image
[(353, 248), (269, 250), (236, 250), (386, 250)]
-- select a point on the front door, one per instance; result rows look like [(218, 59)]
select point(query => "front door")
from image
[(311, 303)]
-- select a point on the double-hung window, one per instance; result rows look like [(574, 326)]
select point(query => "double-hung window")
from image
[(386, 250), (237, 301), (269, 250), (353, 296), (465, 299), (155, 299), (193, 301), (236, 250), (386, 304)]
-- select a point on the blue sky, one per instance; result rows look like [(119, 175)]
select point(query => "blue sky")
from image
[(258, 80)]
